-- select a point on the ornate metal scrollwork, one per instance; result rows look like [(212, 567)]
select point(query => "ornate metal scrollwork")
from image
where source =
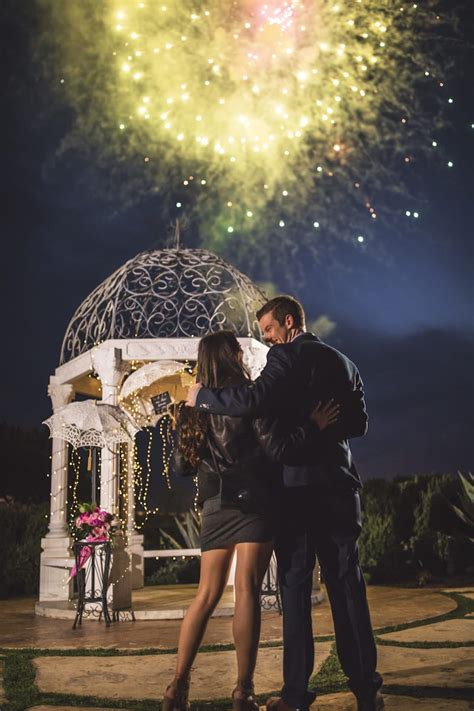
[(92, 580), (270, 592), (168, 293)]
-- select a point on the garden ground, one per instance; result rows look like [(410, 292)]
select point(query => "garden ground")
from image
[(425, 643)]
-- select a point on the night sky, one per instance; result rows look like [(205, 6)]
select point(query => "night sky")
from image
[(406, 318)]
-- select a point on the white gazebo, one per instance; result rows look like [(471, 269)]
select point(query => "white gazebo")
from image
[(155, 307)]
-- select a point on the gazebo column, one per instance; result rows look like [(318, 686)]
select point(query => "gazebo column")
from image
[(56, 544), (135, 540), (110, 369)]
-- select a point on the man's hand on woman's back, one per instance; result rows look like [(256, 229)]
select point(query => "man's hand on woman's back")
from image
[(325, 414)]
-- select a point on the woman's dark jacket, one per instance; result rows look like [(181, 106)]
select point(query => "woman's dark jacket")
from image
[(254, 444)]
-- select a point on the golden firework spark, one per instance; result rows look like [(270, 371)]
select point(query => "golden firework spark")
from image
[(255, 116)]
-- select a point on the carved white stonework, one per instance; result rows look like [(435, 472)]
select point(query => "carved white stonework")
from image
[(61, 394), (55, 546), (149, 349), (162, 349), (255, 356), (135, 540), (111, 369)]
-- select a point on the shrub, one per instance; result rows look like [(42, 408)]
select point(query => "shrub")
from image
[(168, 571), (465, 509), (381, 556), (172, 572), (411, 529), (22, 526)]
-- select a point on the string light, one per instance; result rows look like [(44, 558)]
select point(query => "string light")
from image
[(142, 481), (130, 476), (76, 469), (165, 430)]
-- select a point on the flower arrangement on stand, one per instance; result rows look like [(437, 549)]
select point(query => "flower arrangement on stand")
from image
[(94, 525)]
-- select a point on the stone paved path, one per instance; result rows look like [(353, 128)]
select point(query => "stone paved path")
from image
[(449, 631), (336, 702), (445, 668), (19, 627), (143, 677), (345, 702)]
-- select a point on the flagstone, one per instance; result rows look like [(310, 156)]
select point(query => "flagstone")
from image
[(345, 702), (463, 590), (442, 668), (447, 631), (145, 677)]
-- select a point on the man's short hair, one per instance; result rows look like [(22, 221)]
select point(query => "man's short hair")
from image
[(280, 307)]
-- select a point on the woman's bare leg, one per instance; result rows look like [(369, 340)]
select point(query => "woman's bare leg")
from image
[(252, 563), (215, 566)]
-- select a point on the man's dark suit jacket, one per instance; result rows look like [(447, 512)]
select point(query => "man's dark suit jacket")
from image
[(296, 377)]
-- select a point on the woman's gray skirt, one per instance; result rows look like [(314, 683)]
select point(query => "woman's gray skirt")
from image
[(221, 528)]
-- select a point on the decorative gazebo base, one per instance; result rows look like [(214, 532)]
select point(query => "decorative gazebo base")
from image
[(67, 611), (163, 602)]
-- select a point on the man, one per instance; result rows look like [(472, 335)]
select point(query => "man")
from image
[(321, 515)]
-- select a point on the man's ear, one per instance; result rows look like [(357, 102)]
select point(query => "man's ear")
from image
[(289, 321)]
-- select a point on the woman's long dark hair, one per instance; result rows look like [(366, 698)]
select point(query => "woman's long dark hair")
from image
[(219, 363)]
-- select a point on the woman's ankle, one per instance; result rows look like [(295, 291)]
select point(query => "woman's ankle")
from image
[(179, 683), (178, 688), (181, 680), (244, 687)]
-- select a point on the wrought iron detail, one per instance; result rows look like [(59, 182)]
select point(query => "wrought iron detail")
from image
[(168, 293), (92, 581), (123, 616), (270, 591)]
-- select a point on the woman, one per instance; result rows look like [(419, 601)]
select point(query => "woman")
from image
[(238, 492)]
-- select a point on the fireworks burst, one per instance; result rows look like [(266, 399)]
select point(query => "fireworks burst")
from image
[(255, 117)]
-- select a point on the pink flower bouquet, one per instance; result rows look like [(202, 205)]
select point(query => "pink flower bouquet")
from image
[(92, 524)]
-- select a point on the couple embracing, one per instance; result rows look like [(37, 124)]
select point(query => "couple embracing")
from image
[(275, 471)]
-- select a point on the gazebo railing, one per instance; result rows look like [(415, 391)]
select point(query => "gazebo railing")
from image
[(270, 594)]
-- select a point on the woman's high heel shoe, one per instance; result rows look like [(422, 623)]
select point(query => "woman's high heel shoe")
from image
[(176, 696), (243, 698)]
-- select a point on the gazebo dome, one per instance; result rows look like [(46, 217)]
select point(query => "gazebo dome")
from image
[(165, 293)]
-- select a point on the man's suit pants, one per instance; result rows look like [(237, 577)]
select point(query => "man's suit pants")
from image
[(327, 525)]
